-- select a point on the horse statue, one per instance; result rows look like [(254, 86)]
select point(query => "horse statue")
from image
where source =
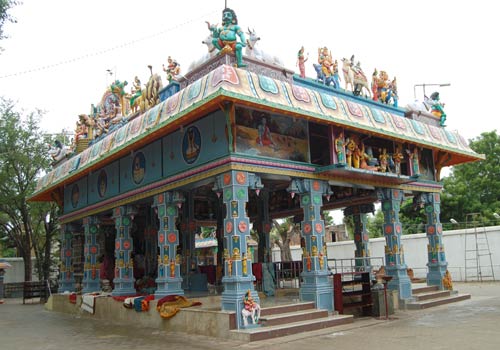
[(383, 89), (151, 93), (357, 79), (58, 152)]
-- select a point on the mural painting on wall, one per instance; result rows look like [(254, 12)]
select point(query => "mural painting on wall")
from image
[(264, 134), (138, 168), (191, 144)]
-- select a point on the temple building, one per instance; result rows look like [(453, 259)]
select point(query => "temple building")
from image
[(233, 144)]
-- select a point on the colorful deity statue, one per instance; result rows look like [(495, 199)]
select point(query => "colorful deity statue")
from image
[(384, 90), (397, 157), (301, 60), (225, 37), (384, 161), (437, 108), (173, 69), (327, 68), (414, 159), (135, 96), (250, 309), (340, 149)]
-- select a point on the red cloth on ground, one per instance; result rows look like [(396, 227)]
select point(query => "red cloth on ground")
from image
[(72, 298)]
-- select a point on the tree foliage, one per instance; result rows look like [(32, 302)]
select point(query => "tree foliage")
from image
[(5, 6), (23, 157), (474, 187)]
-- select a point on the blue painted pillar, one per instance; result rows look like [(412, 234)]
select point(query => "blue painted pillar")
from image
[(124, 246), (394, 254), (66, 276), (316, 285), (361, 239), (436, 263), (169, 281), (91, 267), (238, 277)]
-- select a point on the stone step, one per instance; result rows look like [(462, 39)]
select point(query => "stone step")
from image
[(424, 304), (289, 317), (432, 295), (424, 289), (280, 309), (262, 333)]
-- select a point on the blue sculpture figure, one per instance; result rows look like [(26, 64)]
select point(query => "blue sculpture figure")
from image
[(437, 108), (225, 37), (326, 69)]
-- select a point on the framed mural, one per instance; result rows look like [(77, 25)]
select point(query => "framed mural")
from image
[(264, 134)]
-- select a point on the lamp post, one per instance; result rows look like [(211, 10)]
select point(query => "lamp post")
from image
[(423, 85)]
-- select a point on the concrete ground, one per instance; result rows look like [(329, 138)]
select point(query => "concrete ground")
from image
[(470, 324)]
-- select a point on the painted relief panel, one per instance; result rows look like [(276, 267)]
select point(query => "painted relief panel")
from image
[(104, 183), (75, 196), (264, 134), (141, 167), (195, 144)]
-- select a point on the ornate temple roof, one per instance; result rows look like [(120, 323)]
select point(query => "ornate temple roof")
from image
[(259, 91)]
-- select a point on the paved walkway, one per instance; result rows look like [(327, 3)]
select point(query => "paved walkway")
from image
[(470, 324)]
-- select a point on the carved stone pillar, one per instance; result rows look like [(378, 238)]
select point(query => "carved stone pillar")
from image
[(66, 276), (238, 277), (361, 240), (124, 246), (169, 281), (316, 285), (394, 253), (91, 267)]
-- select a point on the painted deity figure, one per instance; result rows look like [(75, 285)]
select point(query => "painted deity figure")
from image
[(225, 37), (301, 60), (264, 138), (350, 148), (173, 69), (339, 149), (250, 309), (397, 157), (437, 108), (384, 161), (414, 158), (135, 94)]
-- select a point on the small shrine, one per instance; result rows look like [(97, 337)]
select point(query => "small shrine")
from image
[(232, 143)]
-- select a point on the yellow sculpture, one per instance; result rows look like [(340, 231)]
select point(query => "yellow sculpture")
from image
[(447, 282)]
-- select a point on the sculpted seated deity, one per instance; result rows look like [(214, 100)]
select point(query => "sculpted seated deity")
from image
[(225, 37)]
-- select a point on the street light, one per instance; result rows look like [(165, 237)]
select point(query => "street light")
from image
[(453, 221), (424, 85), (496, 216)]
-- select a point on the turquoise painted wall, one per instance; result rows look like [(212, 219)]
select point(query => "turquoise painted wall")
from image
[(141, 167), (104, 183), (196, 144), (75, 195)]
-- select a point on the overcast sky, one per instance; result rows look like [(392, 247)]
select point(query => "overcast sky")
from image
[(58, 53)]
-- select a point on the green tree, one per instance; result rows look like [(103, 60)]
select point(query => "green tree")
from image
[(474, 187), (23, 157), (282, 232), (5, 6)]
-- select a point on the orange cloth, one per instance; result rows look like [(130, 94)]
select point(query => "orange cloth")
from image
[(170, 305)]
